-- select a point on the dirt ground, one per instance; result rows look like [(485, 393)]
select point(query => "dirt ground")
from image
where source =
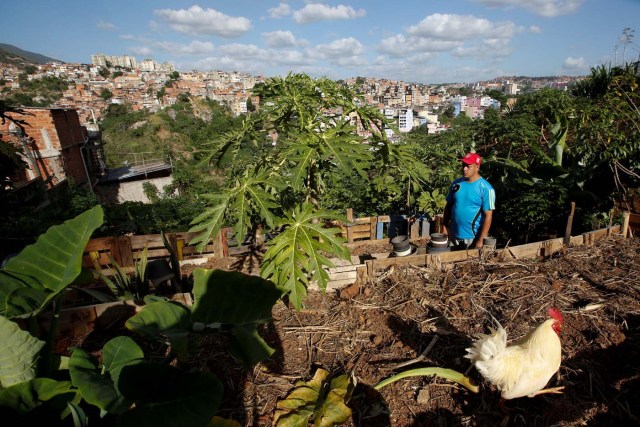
[(409, 317), (411, 311)]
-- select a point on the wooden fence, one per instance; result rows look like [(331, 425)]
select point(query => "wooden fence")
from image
[(126, 249)]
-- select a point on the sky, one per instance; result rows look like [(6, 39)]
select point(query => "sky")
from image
[(422, 41)]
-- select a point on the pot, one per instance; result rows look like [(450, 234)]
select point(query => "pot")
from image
[(401, 245), (439, 240)]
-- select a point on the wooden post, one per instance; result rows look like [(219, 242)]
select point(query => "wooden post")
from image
[(567, 233), (415, 230), (350, 214), (625, 223), (121, 251), (180, 249), (349, 234), (373, 230), (438, 224)]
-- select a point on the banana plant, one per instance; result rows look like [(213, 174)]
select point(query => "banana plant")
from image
[(122, 384), (223, 301), (31, 282)]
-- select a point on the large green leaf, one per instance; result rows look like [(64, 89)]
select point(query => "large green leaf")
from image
[(18, 354), (296, 256), (164, 318), (210, 221), (168, 396), (232, 297), (248, 346), (99, 384), (323, 398), (44, 269), (445, 373), (48, 396)]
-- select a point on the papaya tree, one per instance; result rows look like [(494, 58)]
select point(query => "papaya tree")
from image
[(303, 134)]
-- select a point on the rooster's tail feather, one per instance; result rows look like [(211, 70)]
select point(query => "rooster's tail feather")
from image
[(488, 346)]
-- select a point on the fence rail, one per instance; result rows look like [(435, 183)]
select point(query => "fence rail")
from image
[(126, 249)]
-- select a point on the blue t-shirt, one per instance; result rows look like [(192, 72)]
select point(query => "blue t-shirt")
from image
[(469, 201)]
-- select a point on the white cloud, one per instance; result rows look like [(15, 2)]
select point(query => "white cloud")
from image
[(289, 58), (574, 65), (108, 26), (314, 12), (461, 36), (460, 27), (535, 29), (399, 45), (245, 51), (548, 8), (279, 39), (141, 51), (127, 37), (196, 20), (280, 11), (193, 48), (346, 52), (340, 48)]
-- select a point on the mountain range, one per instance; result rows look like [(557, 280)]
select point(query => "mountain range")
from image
[(10, 54)]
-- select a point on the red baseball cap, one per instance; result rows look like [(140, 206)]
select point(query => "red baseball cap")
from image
[(471, 159)]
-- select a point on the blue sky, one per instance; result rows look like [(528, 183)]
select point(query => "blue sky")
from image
[(425, 41)]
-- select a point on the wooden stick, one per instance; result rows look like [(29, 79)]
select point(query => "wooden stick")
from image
[(567, 233)]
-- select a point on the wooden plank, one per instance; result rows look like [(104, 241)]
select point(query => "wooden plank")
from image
[(364, 228), (424, 229), (343, 268), (121, 251), (415, 230), (360, 235), (349, 234), (149, 240), (373, 227), (99, 244), (350, 214), (343, 275), (236, 250)]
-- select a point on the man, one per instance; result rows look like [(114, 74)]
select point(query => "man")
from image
[(470, 205)]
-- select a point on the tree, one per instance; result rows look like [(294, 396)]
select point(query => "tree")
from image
[(106, 94), (302, 135), (498, 96), (104, 72), (250, 107)]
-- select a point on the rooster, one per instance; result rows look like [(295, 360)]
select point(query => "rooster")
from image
[(524, 368)]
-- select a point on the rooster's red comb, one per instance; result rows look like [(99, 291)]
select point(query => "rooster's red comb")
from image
[(555, 314)]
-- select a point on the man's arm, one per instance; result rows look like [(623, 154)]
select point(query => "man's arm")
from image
[(484, 231), (446, 217)]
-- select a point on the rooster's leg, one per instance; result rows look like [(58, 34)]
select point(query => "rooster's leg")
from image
[(553, 390)]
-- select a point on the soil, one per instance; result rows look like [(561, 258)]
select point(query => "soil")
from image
[(410, 316)]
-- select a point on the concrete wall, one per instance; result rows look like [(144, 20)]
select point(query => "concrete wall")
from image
[(131, 191)]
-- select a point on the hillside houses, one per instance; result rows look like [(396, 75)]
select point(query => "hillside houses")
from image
[(151, 86)]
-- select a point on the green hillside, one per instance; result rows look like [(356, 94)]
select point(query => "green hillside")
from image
[(14, 55)]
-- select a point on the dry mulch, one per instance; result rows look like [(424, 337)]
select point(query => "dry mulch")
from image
[(411, 316)]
